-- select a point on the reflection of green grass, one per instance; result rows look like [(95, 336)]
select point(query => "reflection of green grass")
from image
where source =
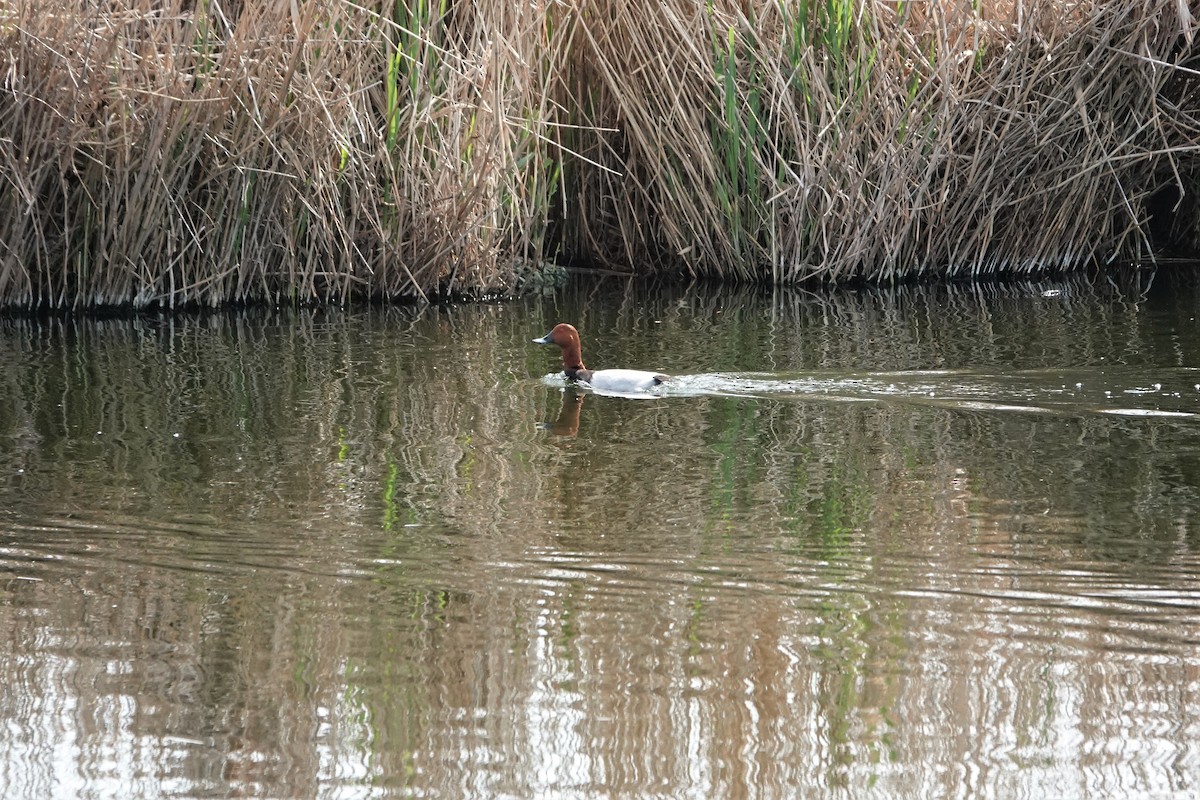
[(847, 500), (730, 439), (343, 445), (834, 528), (389, 497)]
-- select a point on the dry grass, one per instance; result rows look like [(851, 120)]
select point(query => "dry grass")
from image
[(205, 151)]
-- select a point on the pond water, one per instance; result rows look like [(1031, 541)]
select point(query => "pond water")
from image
[(924, 542)]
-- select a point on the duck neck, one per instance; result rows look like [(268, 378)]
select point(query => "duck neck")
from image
[(573, 361)]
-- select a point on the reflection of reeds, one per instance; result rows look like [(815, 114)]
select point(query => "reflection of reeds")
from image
[(748, 548), (400, 415), (198, 153)]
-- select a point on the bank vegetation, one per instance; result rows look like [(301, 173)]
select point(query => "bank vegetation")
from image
[(208, 151)]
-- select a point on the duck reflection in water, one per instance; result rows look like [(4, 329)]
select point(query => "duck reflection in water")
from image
[(567, 423)]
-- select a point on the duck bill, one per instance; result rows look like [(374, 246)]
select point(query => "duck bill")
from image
[(544, 340)]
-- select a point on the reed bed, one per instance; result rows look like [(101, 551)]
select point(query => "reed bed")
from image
[(179, 152), (870, 140), (207, 151)]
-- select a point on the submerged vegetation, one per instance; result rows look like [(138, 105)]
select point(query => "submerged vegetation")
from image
[(204, 151)]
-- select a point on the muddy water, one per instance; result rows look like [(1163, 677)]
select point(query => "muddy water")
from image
[(919, 543)]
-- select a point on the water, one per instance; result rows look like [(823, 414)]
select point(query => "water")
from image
[(934, 542)]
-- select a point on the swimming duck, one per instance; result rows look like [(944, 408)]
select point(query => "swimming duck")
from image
[(604, 380)]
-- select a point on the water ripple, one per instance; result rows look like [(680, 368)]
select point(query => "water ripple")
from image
[(1174, 391)]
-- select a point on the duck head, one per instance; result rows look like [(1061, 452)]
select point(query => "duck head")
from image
[(567, 338)]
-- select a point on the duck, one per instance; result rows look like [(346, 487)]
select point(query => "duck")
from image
[(603, 380)]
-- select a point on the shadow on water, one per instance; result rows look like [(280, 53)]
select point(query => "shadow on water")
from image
[(376, 553)]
